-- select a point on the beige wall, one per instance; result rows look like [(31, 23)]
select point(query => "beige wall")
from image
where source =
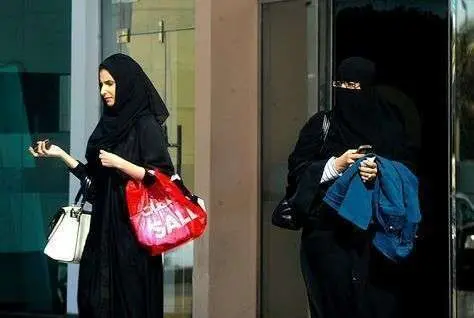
[(227, 158)]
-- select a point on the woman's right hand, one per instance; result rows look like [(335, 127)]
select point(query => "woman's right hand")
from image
[(346, 159), (45, 149)]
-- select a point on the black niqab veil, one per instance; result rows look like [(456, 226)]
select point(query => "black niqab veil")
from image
[(362, 116), (359, 117), (135, 97)]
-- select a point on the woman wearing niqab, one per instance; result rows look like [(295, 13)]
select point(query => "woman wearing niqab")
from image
[(117, 276), (345, 276)]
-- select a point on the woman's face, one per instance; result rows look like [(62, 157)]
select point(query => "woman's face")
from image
[(107, 87)]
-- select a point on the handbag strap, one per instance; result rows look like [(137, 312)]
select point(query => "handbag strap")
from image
[(85, 185)]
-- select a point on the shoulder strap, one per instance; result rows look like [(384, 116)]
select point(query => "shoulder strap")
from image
[(326, 124), (85, 184)]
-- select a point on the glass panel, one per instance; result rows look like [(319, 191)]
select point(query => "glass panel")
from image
[(408, 41), (294, 52), (34, 94), (157, 15), (463, 157), (162, 42)]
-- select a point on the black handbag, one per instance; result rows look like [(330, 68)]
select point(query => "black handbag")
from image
[(285, 215)]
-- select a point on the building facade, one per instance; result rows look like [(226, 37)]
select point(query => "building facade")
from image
[(240, 78)]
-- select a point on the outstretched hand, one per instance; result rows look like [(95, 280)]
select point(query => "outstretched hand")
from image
[(44, 149)]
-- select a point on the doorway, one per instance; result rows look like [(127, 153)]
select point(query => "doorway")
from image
[(409, 45), (295, 72)]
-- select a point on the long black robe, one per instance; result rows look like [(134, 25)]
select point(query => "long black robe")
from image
[(345, 276), (117, 277)]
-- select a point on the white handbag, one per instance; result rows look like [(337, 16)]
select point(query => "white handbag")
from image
[(70, 227)]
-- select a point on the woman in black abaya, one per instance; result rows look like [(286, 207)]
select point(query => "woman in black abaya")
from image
[(118, 278), (345, 276)]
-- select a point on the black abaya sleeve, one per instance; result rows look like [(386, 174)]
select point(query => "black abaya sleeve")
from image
[(306, 165), (153, 146), (80, 172)]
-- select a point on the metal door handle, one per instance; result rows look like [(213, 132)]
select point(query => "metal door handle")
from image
[(179, 148)]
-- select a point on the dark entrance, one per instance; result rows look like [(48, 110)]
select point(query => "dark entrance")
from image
[(410, 46)]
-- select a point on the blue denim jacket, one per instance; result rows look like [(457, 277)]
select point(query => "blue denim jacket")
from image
[(391, 202)]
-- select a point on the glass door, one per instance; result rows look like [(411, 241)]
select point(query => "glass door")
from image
[(159, 35), (294, 59), (462, 216)]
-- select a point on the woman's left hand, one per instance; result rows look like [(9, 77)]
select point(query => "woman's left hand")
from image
[(368, 170), (110, 160)]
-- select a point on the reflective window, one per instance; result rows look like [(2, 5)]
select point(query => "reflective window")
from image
[(34, 96)]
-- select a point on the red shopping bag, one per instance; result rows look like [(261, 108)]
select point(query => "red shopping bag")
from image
[(164, 215)]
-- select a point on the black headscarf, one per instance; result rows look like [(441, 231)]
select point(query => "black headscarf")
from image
[(362, 116), (135, 96)]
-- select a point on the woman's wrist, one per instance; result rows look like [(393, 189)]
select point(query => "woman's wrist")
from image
[(68, 159), (131, 169), (120, 164), (338, 166), (62, 155)]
